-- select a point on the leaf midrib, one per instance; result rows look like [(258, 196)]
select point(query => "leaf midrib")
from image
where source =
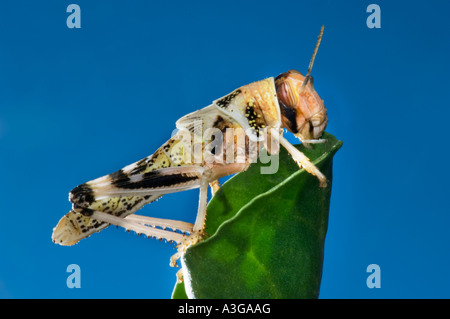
[(273, 189)]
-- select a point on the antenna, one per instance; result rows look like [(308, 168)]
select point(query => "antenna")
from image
[(311, 63)]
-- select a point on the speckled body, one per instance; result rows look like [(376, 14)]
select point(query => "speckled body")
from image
[(247, 111)]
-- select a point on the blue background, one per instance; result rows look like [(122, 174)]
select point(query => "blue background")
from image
[(76, 104)]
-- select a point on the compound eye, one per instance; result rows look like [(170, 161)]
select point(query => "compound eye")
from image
[(286, 94)]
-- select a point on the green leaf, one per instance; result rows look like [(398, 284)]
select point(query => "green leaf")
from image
[(266, 233)]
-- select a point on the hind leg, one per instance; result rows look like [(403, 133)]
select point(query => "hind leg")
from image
[(149, 226)]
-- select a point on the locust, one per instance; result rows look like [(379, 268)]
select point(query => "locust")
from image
[(243, 122)]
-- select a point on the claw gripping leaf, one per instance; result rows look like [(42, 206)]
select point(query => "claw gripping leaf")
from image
[(267, 233)]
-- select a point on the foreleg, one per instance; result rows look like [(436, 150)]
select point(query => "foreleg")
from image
[(303, 161)]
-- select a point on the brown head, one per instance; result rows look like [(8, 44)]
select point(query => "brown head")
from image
[(302, 110)]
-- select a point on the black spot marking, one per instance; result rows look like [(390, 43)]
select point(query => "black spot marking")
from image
[(141, 166), (82, 194), (119, 177), (226, 100), (98, 224), (120, 213), (72, 222), (139, 169), (142, 161), (218, 123), (254, 120), (250, 113), (86, 212), (221, 124)]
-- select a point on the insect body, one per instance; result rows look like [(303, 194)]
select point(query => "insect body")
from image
[(255, 112)]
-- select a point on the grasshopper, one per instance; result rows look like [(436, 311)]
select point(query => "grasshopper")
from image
[(258, 111)]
